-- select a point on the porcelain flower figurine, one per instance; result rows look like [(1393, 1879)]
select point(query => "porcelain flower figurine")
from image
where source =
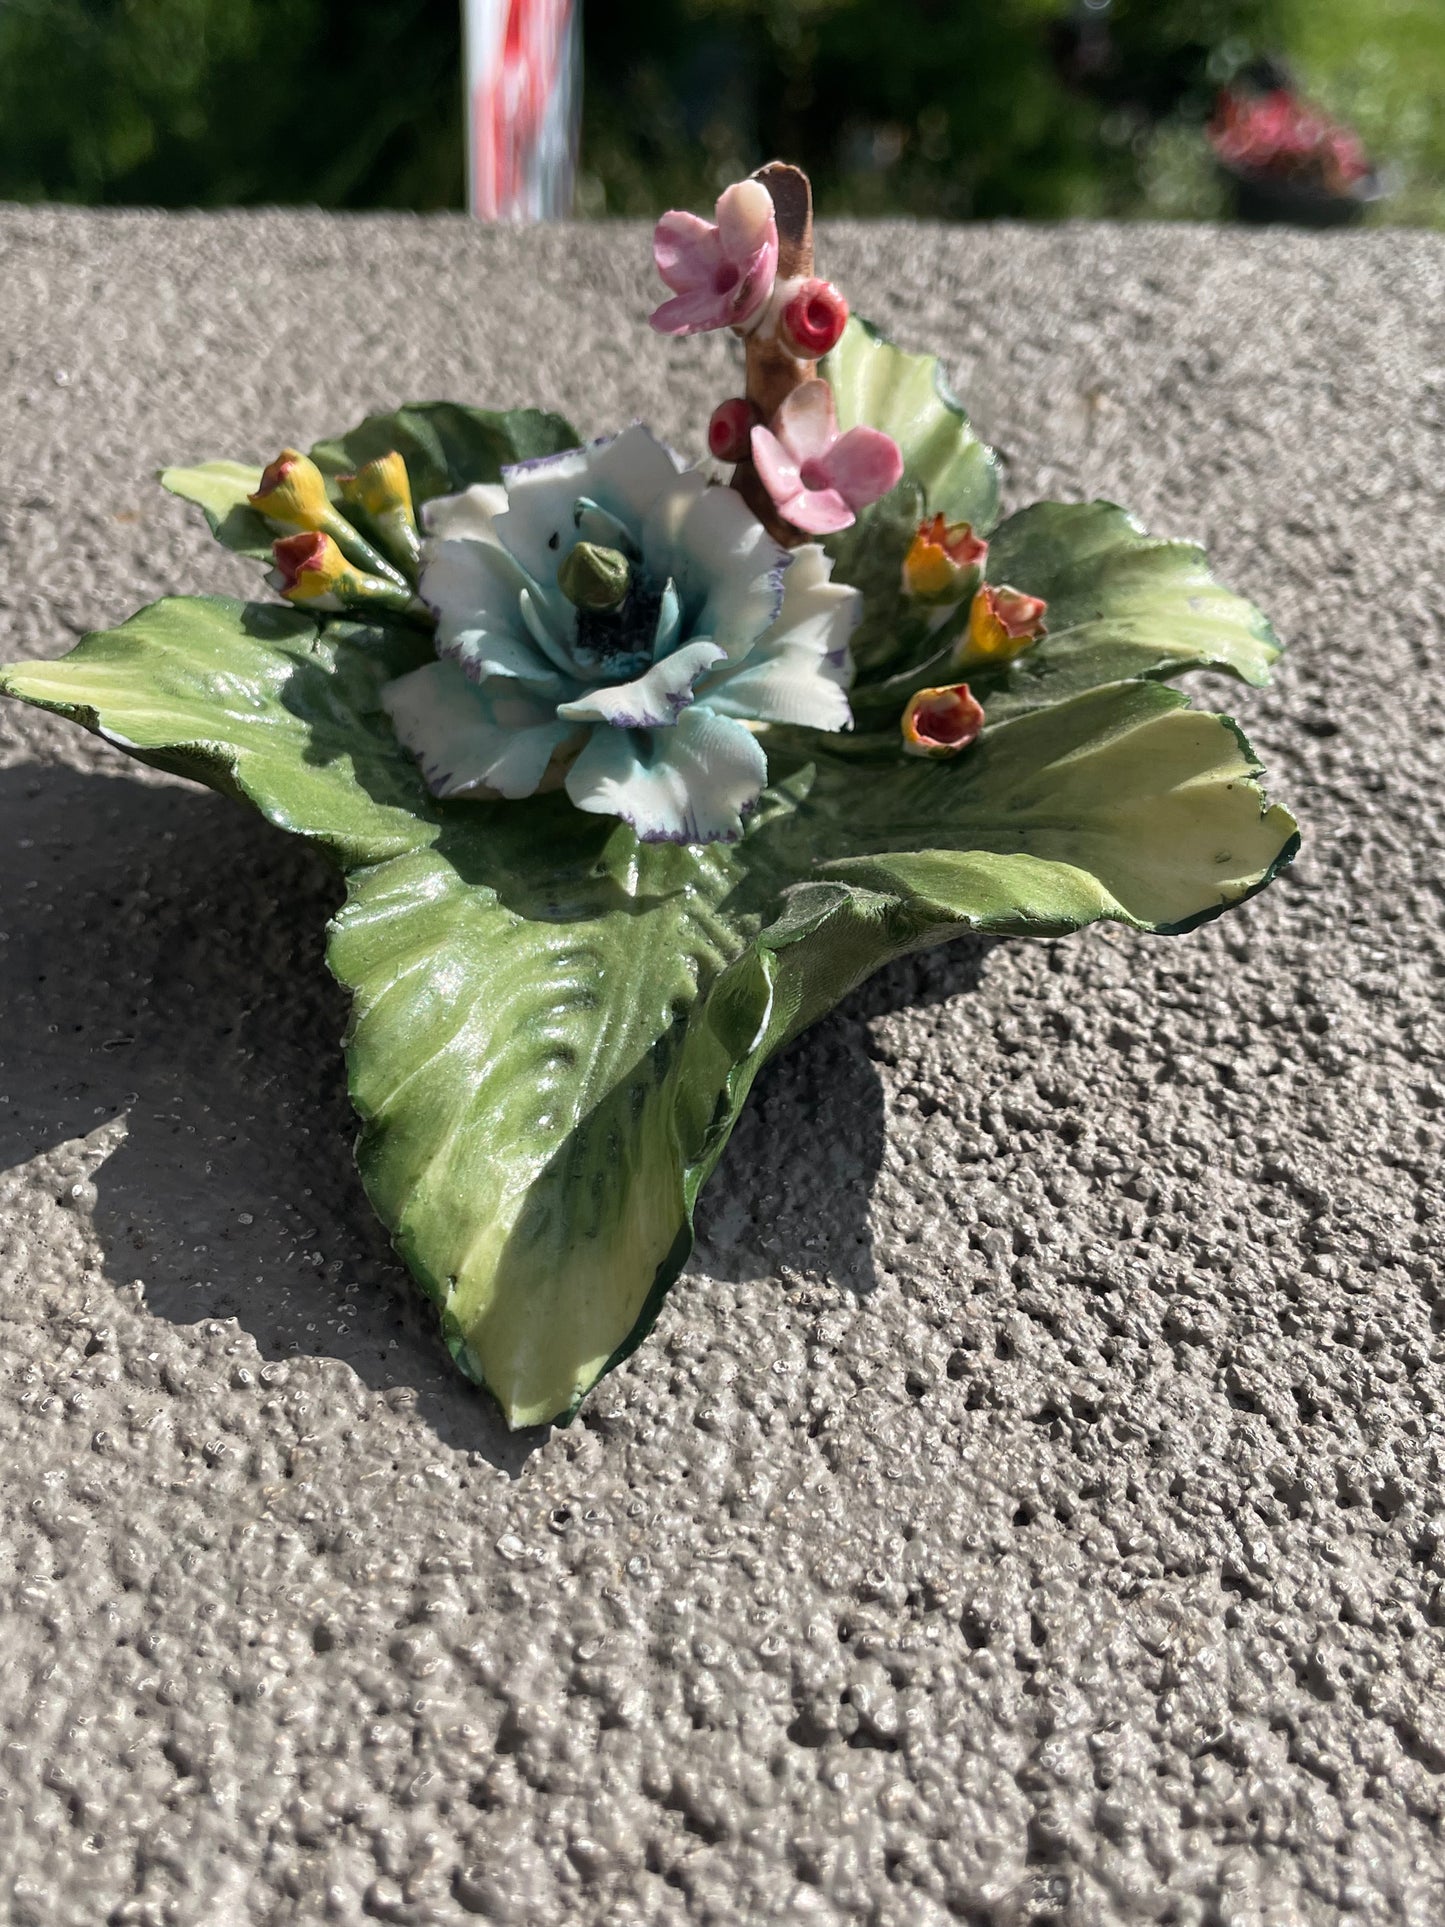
[(609, 622), (634, 768)]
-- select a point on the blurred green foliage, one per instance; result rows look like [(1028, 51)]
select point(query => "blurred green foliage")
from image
[(936, 107), (206, 103), (943, 108), (975, 108)]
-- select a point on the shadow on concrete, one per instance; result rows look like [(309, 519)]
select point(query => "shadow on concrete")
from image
[(163, 958), (795, 1187)]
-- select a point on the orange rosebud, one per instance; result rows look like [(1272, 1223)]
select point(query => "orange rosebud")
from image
[(941, 722), (1002, 623), (944, 561)]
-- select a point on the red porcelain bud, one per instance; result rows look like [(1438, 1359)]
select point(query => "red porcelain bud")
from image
[(941, 722), (814, 319), (308, 562), (730, 427)]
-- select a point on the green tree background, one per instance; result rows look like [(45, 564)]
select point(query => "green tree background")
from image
[(945, 108)]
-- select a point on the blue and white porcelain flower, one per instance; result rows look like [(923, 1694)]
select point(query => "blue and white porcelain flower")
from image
[(608, 620)]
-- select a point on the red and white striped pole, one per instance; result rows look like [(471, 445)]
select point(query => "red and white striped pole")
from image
[(524, 95)]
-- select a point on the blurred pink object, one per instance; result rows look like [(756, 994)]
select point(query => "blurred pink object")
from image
[(817, 478), (721, 272), (1276, 133), (523, 94)]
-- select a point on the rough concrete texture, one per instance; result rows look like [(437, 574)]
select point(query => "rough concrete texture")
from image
[(1028, 1509)]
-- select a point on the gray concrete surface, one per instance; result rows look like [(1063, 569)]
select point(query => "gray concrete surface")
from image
[(1028, 1511)]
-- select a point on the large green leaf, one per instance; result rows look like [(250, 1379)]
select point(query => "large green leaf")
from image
[(554, 1026), (446, 447), (1120, 604), (908, 397), (517, 1058), (947, 470), (259, 701)]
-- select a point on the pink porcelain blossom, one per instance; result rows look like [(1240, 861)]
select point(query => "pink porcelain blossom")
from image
[(721, 272), (819, 479)]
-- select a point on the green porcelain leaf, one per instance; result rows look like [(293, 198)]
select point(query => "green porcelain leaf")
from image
[(947, 471), (908, 398), (447, 447), (260, 702), (219, 490), (554, 1027), (1120, 604)]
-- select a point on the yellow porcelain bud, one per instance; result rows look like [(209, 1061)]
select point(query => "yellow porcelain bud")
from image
[(943, 562), (293, 493), (382, 487), (381, 494), (312, 572), (310, 566), (1002, 623)]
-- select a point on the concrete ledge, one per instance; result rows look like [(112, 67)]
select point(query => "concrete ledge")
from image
[(1028, 1511)]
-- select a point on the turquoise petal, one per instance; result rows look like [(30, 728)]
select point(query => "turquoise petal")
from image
[(483, 653), (687, 784), (466, 740), (652, 700)]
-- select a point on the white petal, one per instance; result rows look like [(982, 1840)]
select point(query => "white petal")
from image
[(537, 527), (551, 622), (662, 526), (629, 473), (669, 621), (800, 670), (454, 732), (817, 613), (729, 571), (786, 686), (470, 514), (477, 592), (470, 584), (654, 699), (687, 784)]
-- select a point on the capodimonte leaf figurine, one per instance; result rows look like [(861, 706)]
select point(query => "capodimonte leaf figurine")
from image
[(633, 772)]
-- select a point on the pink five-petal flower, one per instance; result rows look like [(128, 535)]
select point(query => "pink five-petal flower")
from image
[(819, 479), (721, 272)]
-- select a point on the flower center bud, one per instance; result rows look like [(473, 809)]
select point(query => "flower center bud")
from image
[(595, 578)]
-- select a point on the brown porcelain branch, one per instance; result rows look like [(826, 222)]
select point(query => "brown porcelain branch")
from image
[(773, 372)]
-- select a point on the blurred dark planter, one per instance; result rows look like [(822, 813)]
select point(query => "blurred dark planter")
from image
[(1260, 199)]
